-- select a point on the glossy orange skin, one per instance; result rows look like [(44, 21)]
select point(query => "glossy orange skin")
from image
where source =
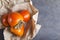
[(18, 32), (14, 18), (26, 15), (4, 20)]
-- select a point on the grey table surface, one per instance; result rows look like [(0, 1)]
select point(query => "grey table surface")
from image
[(49, 18)]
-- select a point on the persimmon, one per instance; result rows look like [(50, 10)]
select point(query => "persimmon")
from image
[(18, 31), (4, 20), (26, 15), (14, 18)]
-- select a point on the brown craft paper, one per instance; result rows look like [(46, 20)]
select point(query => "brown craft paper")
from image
[(17, 5)]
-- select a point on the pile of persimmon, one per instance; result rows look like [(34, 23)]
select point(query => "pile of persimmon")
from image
[(15, 21)]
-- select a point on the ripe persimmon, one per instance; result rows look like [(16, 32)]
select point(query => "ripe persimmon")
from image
[(4, 20), (14, 18), (18, 32), (26, 15)]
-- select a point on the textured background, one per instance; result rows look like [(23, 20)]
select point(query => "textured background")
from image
[(49, 18)]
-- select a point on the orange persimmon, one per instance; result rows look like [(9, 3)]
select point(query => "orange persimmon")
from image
[(14, 18), (18, 32), (26, 15), (4, 20)]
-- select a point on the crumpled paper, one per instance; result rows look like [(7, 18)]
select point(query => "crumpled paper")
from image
[(19, 5)]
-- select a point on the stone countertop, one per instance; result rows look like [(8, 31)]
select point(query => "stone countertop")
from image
[(49, 18)]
